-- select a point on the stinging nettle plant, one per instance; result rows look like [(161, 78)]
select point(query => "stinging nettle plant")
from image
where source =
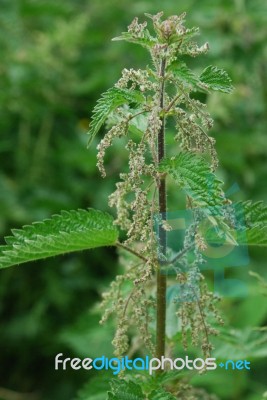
[(138, 109)]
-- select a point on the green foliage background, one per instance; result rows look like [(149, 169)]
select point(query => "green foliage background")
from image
[(56, 59)]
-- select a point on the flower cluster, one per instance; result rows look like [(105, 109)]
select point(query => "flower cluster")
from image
[(195, 315), (131, 306), (137, 30), (137, 79), (116, 131)]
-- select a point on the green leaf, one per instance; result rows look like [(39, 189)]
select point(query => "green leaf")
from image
[(216, 79), (160, 394), (70, 231), (256, 213), (122, 390), (251, 221), (192, 173), (138, 125), (254, 216), (108, 102), (146, 41), (183, 73)]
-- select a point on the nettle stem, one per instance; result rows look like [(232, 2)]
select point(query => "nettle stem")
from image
[(161, 278)]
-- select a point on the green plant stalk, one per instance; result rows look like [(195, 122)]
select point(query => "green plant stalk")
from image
[(161, 278)]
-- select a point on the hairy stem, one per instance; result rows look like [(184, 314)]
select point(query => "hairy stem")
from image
[(161, 278), (123, 246)]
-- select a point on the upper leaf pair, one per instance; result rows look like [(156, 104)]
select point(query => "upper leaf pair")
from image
[(212, 78)]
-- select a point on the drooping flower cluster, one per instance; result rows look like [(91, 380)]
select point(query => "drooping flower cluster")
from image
[(133, 308)]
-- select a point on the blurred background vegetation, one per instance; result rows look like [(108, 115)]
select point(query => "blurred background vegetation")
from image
[(56, 59)]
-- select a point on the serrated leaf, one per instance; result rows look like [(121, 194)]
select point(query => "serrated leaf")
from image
[(216, 79), (250, 228), (122, 390), (64, 233), (251, 225), (255, 222), (183, 73), (192, 173), (255, 213), (108, 102)]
